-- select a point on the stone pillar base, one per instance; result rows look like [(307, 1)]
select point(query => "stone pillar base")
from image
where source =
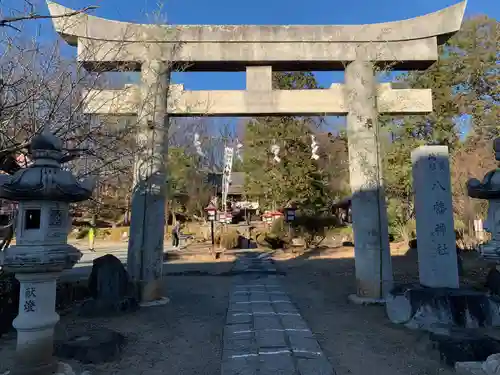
[(151, 292), (428, 309)]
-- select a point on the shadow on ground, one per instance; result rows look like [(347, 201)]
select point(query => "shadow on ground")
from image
[(185, 336)]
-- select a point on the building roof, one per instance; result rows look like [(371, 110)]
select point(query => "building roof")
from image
[(237, 185)]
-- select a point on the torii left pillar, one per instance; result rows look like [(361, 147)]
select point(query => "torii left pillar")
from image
[(374, 277), (147, 224)]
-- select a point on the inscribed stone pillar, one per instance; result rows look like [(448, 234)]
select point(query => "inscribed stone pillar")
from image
[(369, 215), (35, 324), (147, 224), (437, 256)]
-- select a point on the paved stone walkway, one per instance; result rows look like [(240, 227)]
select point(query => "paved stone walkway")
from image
[(264, 332)]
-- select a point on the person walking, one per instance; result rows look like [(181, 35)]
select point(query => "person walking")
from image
[(175, 234), (91, 234)]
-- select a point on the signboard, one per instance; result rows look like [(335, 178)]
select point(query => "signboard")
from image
[(289, 214), (247, 205)]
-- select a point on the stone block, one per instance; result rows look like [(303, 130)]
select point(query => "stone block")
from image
[(110, 287), (238, 297), (305, 347), (293, 321), (235, 308), (314, 366), (299, 334), (245, 328), (267, 322), (262, 308), (277, 364), (270, 339), (240, 366), (464, 346), (287, 308), (236, 318), (279, 297), (419, 307), (235, 343), (260, 296)]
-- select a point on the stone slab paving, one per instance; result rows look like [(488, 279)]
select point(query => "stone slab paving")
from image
[(264, 332)]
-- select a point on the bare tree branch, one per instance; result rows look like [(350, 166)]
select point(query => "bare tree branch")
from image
[(7, 22)]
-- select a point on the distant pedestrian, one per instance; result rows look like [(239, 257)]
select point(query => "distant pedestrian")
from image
[(175, 234), (91, 234)]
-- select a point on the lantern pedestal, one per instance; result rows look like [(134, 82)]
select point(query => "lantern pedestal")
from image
[(35, 324)]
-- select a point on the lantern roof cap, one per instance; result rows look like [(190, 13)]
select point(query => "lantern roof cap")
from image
[(45, 179)]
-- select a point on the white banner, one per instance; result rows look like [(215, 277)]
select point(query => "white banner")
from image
[(226, 175)]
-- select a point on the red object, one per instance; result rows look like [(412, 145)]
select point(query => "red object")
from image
[(210, 208)]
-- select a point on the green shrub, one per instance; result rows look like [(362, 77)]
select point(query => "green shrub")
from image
[(342, 232), (82, 233), (279, 227), (260, 238), (314, 228), (279, 235), (230, 239), (275, 241), (405, 231)]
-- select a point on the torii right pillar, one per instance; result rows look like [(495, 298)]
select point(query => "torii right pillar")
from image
[(369, 215)]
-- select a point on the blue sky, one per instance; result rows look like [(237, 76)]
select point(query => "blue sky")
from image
[(278, 12)]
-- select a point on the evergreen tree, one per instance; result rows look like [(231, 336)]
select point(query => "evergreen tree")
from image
[(465, 84), (296, 178)]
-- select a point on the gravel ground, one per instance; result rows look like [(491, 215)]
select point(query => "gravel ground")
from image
[(356, 339), (183, 337)]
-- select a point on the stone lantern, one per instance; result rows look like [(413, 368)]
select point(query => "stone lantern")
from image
[(489, 189), (43, 192)]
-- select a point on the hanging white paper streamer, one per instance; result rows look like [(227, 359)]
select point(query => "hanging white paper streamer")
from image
[(275, 149), (197, 144), (314, 148), (239, 146)]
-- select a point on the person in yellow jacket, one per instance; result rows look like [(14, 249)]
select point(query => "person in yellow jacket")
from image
[(91, 235)]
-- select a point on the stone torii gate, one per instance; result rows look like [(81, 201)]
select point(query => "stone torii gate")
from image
[(154, 50)]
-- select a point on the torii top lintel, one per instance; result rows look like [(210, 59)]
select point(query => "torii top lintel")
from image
[(408, 44)]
